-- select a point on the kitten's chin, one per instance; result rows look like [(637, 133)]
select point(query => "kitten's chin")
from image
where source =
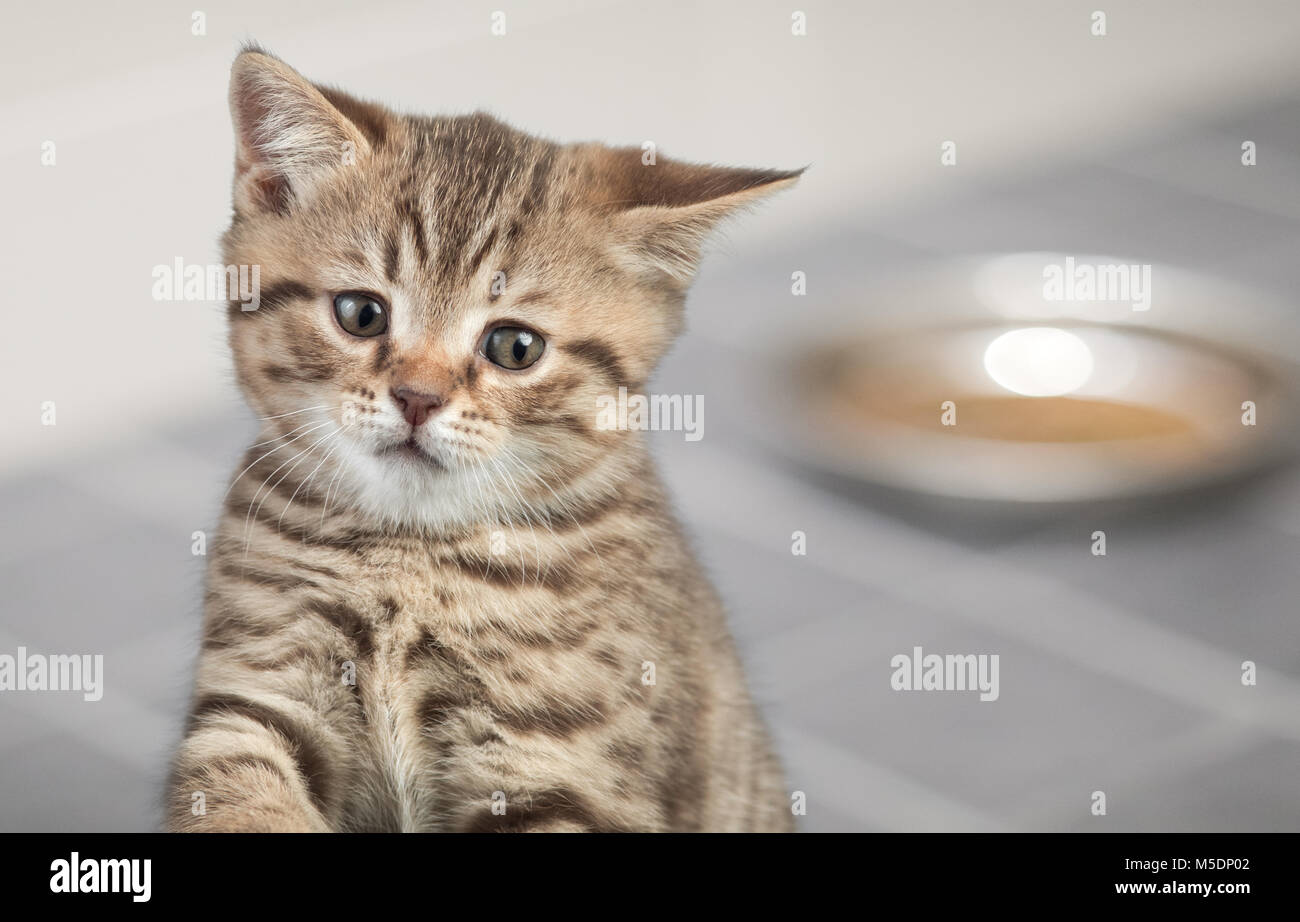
[(411, 452), (407, 486)]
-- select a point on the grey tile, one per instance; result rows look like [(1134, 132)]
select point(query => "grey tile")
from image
[(766, 592), (1275, 502), (1274, 123), (1051, 717), (38, 511), (221, 434), (844, 793), (1195, 570), (1257, 790), (158, 668), (114, 579), (153, 480), (119, 724), (59, 784), (851, 646)]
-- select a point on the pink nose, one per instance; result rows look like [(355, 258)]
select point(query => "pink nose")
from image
[(416, 406)]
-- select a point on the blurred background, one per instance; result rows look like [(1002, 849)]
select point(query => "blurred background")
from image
[(1118, 673)]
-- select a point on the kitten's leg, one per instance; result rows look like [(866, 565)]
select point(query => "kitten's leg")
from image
[(543, 791), (251, 764), (546, 792), (550, 810)]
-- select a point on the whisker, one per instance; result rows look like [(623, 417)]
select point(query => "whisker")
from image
[(276, 438), (328, 490), (478, 484), (333, 448), (295, 459), (266, 455), (532, 512), (563, 507), (323, 406)]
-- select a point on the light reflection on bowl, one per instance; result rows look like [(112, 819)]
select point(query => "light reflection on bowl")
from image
[(1039, 361)]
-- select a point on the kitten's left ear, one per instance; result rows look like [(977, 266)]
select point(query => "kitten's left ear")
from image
[(664, 211), (288, 135)]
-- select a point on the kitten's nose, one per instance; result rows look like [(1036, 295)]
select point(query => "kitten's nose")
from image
[(415, 405)]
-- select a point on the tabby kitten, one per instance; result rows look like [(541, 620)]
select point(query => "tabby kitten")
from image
[(438, 588)]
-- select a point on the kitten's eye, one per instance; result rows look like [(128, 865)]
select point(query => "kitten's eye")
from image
[(513, 347), (360, 315)]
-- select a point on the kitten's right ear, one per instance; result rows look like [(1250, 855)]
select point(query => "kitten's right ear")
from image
[(288, 136)]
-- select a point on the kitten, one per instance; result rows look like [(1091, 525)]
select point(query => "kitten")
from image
[(441, 597)]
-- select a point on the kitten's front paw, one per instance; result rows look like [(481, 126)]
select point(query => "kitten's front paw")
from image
[(247, 819)]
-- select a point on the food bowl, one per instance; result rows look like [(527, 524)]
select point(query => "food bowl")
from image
[(1000, 389)]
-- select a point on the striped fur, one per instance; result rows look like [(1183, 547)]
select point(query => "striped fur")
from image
[(459, 642)]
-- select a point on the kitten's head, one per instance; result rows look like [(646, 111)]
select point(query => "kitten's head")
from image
[(442, 300)]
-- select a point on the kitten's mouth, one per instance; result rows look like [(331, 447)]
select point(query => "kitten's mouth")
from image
[(410, 450)]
